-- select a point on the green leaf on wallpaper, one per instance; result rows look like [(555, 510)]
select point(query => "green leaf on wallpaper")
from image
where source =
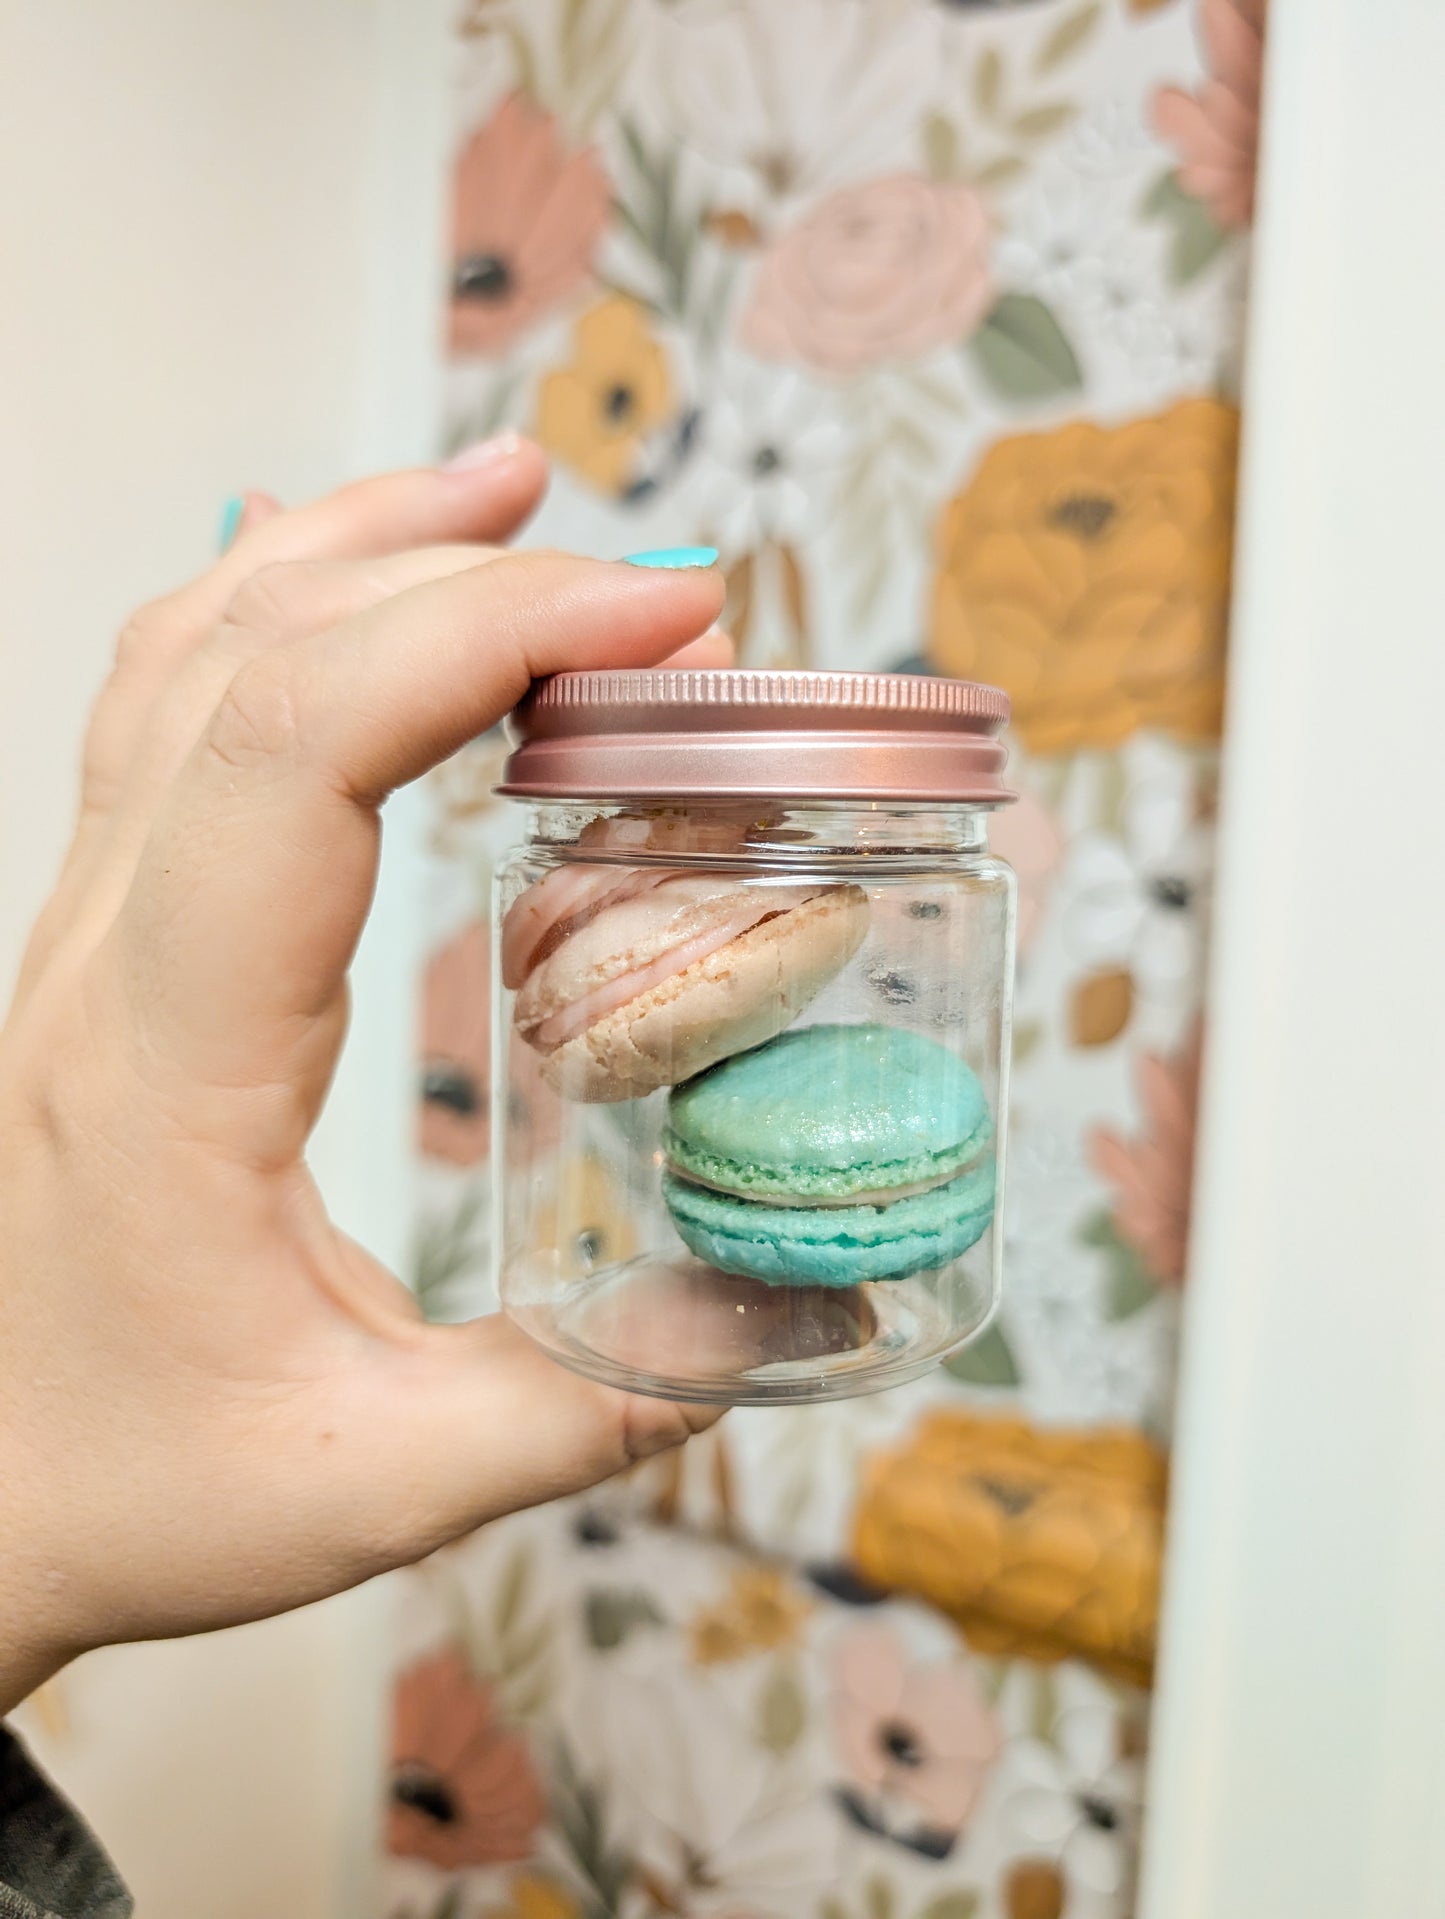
[(1128, 1285), (580, 1814), (878, 1899), (1068, 37), (1194, 237), (449, 1905), (832, 1908), (651, 214), (1023, 352), (1039, 122), (986, 1361), (1026, 1037), (1043, 1704), (782, 1711), (999, 172), (613, 1614), (988, 81), (940, 146), (591, 53), (512, 1591), (951, 1905)]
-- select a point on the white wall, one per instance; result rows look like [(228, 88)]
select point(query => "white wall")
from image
[(220, 228), (1299, 1758)]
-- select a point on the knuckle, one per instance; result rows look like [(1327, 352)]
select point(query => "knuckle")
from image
[(269, 601), (148, 635), (256, 724)]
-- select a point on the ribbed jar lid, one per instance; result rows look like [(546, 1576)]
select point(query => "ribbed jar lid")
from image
[(736, 734)]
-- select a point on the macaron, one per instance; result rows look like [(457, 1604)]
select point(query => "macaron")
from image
[(830, 1156), (650, 977)]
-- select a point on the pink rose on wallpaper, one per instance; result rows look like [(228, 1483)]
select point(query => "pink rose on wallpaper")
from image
[(1216, 130), (526, 219), (875, 272), (1153, 1175), (1028, 836), (464, 1791), (917, 1738)]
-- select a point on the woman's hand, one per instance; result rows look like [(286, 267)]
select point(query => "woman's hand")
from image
[(213, 1406)]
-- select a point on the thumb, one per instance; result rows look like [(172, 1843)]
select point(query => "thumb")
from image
[(467, 1423)]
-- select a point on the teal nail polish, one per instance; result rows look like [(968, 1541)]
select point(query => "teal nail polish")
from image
[(230, 519), (676, 556)]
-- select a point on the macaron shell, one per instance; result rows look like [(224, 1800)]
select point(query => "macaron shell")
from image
[(828, 1111), (833, 1245), (736, 998)]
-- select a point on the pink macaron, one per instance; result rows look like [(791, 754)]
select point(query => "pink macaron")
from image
[(628, 979)]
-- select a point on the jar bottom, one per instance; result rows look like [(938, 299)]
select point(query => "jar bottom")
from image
[(676, 1328)]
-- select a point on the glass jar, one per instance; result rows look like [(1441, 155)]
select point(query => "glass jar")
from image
[(754, 967)]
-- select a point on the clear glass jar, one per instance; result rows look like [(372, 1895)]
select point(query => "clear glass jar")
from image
[(770, 1027)]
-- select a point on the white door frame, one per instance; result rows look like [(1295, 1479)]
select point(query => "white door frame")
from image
[(1298, 1767)]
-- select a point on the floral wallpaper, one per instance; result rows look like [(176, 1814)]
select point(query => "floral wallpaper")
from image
[(928, 314)]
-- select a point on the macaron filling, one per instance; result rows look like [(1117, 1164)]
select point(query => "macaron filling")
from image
[(867, 1184), (874, 1196), (834, 1245), (549, 913)]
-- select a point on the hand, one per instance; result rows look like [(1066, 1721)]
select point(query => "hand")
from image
[(213, 1406)]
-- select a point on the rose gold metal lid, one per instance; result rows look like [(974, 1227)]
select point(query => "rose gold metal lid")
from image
[(752, 735)]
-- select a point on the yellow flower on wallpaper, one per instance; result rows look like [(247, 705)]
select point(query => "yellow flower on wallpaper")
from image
[(532, 1898), (586, 1217), (1086, 571), (595, 413), (1045, 1543), (763, 1610)]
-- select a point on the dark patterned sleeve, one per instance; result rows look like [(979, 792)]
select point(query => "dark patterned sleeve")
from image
[(51, 1867)]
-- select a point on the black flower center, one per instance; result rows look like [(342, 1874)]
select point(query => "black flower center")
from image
[(590, 1242), (766, 460), (1011, 1499), (1088, 516), (484, 277), (1100, 1813), (925, 910), (900, 1743), (1167, 889), (593, 1529), (425, 1792), (619, 403), (452, 1087)]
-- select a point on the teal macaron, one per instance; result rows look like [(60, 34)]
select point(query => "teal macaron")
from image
[(830, 1156)]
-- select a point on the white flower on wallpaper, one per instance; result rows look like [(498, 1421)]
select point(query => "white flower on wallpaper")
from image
[(1138, 899), (709, 1814), (1077, 1798), (1075, 238), (792, 99), (769, 442)]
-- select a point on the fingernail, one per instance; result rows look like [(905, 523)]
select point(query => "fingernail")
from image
[(230, 520), (676, 556), (482, 453)]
